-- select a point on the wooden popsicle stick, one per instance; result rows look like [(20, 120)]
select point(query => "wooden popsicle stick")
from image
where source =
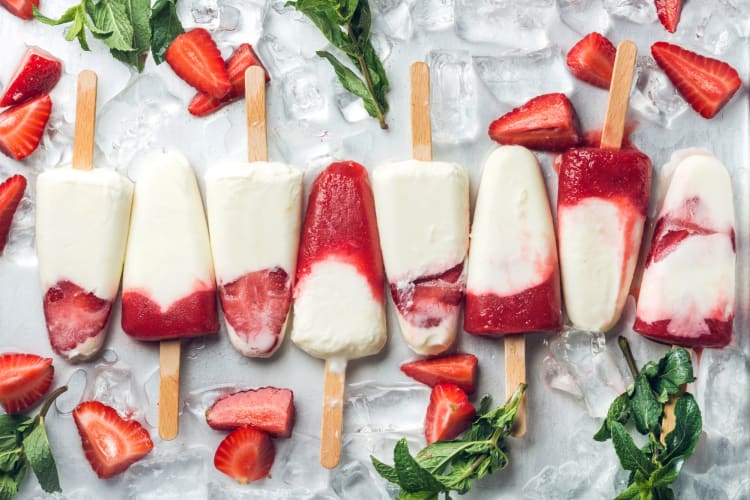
[(515, 375), (670, 420), (169, 389), (255, 105), (421, 127), (619, 95), (83, 141), (332, 427)]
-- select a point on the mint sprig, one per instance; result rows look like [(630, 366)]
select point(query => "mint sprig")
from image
[(453, 466), (130, 28), (346, 25), (656, 465), (23, 446)]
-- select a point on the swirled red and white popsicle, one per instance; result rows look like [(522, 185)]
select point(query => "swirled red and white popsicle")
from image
[(687, 291)]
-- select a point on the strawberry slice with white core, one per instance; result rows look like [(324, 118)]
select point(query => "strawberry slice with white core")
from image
[(592, 60), (24, 380), (37, 74), (449, 413), (196, 59), (22, 127), (246, 455), (11, 193), (669, 12)]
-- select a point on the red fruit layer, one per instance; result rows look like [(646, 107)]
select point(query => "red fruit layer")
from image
[(257, 304), (536, 309), (719, 333), (268, 409), (669, 232), (191, 316), (458, 369), (37, 74), (340, 224), (24, 380), (20, 8), (600, 173), (73, 315), (427, 301)]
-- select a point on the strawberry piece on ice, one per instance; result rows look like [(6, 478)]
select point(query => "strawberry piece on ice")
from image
[(37, 74), (268, 409), (22, 127), (24, 380), (449, 413), (458, 369), (246, 455)]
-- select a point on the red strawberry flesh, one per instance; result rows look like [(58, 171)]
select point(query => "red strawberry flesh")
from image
[(20, 8), (246, 455), (268, 409), (37, 74), (196, 59), (669, 12), (458, 369), (448, 414), (427, 301), (22, 127), (11, 193), (24, 380), (592, 60)]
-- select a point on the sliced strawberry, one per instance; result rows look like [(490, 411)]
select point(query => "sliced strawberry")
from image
[(458, 369), (427, 301), (706, 84), (245, 455), (111, 443), (592, 60), (73, 316), (669, 13), (196, 59), (20, 8), (268, 409), (37, 74), (11, 193), (24, 379), (449, 413), (242, 58), (22, 127), (547, 122)]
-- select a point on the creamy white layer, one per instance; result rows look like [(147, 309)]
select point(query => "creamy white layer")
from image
[(82, 221), (512, 238), (168, 248), (599, 243), (430, 341), (254, 217), (336, 314)]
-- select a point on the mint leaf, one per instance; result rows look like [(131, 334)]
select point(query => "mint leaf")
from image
[(165, 27), (644, 408), (39, 454), (630, 456), (8, 487), (419, 495), (9, 459), (664, 476), (77, 15), (352, 83), (138, 11), (386, 471), (619, 411), (111, 17), (411, 476), (675, 370), (681, 442)]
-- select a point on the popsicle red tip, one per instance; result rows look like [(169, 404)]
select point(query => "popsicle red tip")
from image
[(245, 455), (449, 414), (268, 409), (707, 84), (592, 60), (24, 380), (37, 74), (669, 12), (547, 122), (20, 8), (458, 369), (196, 59), (22, 127), (11, 193)]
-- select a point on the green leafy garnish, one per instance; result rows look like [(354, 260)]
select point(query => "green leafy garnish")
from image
[(448, 466), (130, 28), (346, 25), (23, 446), (656, 465)]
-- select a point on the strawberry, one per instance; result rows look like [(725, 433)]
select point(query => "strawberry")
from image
[(11, 193), (592, 60), (669, 13), (242, 58), (268, 409), (458, 369), (20, 8), (449, 413), (196, 59), (547, 122), (37, 74), (428, 300), (706, 84), (111, 443), (22, 127), (24, 379), (245, 455)]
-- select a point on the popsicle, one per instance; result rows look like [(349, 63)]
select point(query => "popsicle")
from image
[(339, 303), (423, 219), (254, 211), (82, 220), (602, 201), (169, 292), (687, 290)]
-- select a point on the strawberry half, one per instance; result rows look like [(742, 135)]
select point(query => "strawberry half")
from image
[(37, 74), (245, 455), (22, 127), (242, 58), (706, 84), (11, 193), (592, 60), (669, 13), (458, 369), (20, 8), (196, 59), (111, 443), (24, 379), (449, 413), (547, 122), (268, 409)]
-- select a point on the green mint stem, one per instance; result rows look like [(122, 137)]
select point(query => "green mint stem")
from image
[(368, 81), (51, 399), (625, 348)]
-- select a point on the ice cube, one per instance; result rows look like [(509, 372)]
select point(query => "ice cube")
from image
[(454, 96), (725, 380), (584, 16), (349, 105), (302, 97), (200, 400), (56, 143), (356, 480), (294, 457), (19, 248), (653, 96), (151, 390), (433, 15), (739, 12), (68, 400), (370, 407), (382, 45), (179, 473), (278, 57), (394, 19), (516, 76), (229, 19), (241, 21), (204, 11), (114, 386), (636, 11), (77, 494), (708, 30), (512, 23)]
